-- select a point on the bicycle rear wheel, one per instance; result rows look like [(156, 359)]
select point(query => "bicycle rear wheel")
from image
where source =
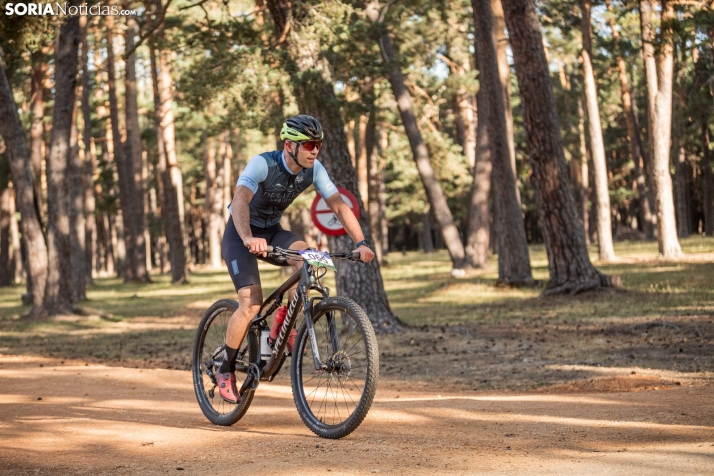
[(334, 401), (208, 355)]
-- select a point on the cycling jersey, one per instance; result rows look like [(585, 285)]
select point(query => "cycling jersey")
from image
[(275, 186)]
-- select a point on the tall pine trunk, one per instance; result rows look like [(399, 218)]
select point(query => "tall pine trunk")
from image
[(682, 193), (504, 73), (134, 159), (374, 165), (37, 88), (122, 161), (59, 292), (706, 166), (316, 96), (434, 192), (659, 71), (382, 145), (361, 161), (90, 225), (513, 259), (170, 173), (75, 211), (213, 203), (645, 216), (568, 262), (7, 273), (583, 190), (478, 230), (604, 215)]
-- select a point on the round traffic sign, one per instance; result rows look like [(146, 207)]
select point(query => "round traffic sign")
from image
[(325, 220)]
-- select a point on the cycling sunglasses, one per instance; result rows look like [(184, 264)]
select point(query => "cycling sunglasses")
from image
[(311, 144)]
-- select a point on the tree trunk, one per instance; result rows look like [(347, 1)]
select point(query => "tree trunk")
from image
[(382, 145), (478, 231), (504, 73), (604, 214), (434, 192), (645, 215), (468, 117), (7, 274), (570, 268), (16, 261), (315, 96), (213, 204), (172, 182), (225, 180), (427, 241), (90, 226), (59, 292), (583, 191), (374, 166), (122, 161), (362, 167), (513, 260), (134, 159), (706, 166), (351, 142), (659, 93), (75, 211), (37, 88), (682, 193)]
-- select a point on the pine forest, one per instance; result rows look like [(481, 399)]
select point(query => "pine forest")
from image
[(476, 127)]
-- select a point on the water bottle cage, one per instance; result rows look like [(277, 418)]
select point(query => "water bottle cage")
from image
[(271, 342)]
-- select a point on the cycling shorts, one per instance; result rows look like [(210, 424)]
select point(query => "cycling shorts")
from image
[(242, 264)]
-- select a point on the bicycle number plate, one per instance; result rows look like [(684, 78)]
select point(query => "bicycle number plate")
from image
[(318, 259)]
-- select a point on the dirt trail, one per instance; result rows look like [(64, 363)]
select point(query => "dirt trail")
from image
[(93, 419)]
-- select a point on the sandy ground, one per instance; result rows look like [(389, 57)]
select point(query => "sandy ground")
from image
[(65, 417)]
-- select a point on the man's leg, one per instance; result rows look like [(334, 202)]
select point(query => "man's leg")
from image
[(249, 300), (297, 264)]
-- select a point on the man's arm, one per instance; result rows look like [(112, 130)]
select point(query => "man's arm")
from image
[(350, 223), (240, 213)]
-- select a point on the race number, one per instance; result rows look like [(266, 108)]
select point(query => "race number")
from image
[(318, 259)]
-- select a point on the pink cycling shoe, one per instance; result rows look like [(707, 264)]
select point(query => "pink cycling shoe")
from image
[(226, 383)]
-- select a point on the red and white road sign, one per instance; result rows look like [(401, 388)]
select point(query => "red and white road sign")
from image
[(325, 220)]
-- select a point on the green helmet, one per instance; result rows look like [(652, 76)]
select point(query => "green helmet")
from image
[(301, 128)]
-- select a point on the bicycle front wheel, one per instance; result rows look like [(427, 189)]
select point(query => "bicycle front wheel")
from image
[(334, 400), (208, 355)]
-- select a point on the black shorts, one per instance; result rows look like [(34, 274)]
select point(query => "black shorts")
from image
[(242, 264)]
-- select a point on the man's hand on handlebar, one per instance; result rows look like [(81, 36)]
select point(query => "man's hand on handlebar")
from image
[(365, 254), (257, 246)]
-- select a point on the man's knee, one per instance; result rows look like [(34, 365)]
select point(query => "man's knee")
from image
[(250, 298), (299, 245)]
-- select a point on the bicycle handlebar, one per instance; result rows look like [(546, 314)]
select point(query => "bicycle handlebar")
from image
[(351, 256)]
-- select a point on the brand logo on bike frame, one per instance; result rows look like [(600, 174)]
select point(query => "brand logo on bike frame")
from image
[(287, 323)]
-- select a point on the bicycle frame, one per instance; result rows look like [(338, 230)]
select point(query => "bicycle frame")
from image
[(306, 279)]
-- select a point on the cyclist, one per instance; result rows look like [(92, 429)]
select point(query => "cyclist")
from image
[(269, 183)]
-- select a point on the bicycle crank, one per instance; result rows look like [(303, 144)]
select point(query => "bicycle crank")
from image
[(251, 381)]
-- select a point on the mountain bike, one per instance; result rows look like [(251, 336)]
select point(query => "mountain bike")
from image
[(334, 363)]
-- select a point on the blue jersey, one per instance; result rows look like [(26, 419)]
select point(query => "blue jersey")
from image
[(275, 186)]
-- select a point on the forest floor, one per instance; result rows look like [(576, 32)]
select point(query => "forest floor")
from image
[(485, 379)]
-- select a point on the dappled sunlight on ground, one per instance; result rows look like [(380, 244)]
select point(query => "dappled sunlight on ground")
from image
[(113, 420)]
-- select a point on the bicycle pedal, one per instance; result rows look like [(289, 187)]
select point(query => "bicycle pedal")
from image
[(254, 374)]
